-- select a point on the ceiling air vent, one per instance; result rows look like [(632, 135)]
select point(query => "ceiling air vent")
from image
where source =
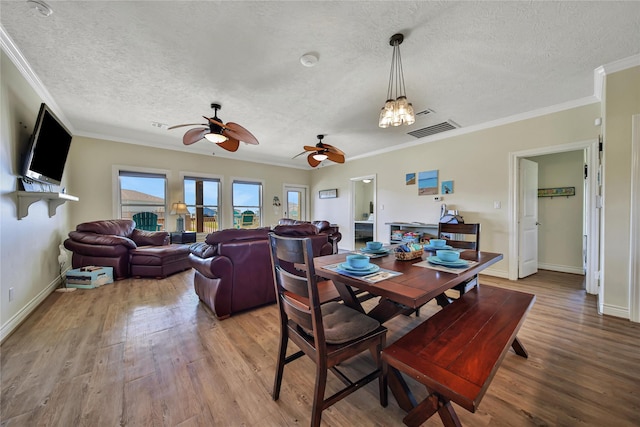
[(432, 130), (424, 112)]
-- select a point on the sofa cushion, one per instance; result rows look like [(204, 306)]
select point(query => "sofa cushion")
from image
[(302, 229), (117, 227), (232, 234), (101, 239), (145, 238), (203, 250)]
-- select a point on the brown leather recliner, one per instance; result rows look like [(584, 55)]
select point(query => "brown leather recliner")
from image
[(324, 227), (233, 271), (117, 243)]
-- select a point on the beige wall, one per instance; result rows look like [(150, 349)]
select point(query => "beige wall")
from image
[(29, 247), (90, 173), (477, 162), (621, 101)]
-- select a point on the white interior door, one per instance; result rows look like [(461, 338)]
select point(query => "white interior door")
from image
[(528, 219), (295, 202)]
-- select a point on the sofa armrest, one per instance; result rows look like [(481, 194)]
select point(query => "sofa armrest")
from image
[(203, 250), (101, 239), (216, 267)]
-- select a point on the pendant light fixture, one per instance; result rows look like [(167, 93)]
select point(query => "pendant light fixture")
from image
[(397, 110)]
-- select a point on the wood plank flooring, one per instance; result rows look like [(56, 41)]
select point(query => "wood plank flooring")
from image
[(146, 352)]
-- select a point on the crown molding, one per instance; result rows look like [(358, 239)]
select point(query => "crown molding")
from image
[(18, 59), (600, 73)]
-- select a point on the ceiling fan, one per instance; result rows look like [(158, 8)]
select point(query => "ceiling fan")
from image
[(321, 152), (227, 136)]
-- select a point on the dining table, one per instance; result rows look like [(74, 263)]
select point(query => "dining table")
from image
[(403, 287), (417, 283)]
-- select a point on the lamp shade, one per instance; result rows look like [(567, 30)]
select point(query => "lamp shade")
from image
[(179, 209)]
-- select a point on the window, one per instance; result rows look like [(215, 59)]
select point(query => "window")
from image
[(143, 192), (202, 197), (247, 204)]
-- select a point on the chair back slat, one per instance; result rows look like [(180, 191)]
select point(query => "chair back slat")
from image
[(147, 221), (452, 232), (297, 295)]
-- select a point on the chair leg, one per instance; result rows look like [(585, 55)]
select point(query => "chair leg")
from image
[(382, 379), (318, 394), (282, 354)]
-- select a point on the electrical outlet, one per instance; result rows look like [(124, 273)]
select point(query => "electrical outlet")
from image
[(437, 198), (497, 205), (10, 294)]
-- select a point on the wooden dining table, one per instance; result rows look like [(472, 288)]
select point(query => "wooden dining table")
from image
[(404, 293)]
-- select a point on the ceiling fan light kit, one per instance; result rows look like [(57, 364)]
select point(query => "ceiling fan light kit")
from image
[(397, 109)]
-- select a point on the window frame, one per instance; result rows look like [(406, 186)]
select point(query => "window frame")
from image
[(206, 177), (116, 171), (260, 207)]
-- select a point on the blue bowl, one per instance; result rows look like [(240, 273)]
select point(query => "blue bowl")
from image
[(437, 243), (374, 246), (447, 255), (358, 261)]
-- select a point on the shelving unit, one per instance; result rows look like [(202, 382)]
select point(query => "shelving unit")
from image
[(27, 198), (418, 227)]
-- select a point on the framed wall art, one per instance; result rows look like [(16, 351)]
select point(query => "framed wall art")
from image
[(328, 194)]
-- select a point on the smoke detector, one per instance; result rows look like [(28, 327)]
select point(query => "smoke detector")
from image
[(40, 6)]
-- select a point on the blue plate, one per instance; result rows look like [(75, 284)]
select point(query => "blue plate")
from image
[(435, 248), (372, 268), (458, 263), (374, 251)]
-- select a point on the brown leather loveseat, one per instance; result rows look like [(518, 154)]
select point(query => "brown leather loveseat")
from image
[(324, 227), (131, 252), (233, 270)]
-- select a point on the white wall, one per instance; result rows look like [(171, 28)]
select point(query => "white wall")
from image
[(28, 247)]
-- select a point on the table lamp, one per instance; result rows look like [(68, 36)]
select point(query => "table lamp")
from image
[(179, 209)]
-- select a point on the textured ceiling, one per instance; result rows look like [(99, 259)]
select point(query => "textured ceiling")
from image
[(113, 68)]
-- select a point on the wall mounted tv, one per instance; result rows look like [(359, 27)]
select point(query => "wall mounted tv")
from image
[(48, 148)]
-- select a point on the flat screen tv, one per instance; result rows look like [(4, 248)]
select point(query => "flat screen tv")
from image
[(48, 148)]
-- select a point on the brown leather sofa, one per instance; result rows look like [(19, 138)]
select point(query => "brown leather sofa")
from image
[(324, 227), (131, 252), (233, 270)]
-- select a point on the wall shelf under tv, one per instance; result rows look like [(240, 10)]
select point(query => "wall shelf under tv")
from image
[(27, 198)]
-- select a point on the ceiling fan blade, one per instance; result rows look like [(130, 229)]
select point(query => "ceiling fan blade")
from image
[(238, 132), (310, 148), (312, 162), (187, 124), (335, 157), (215, 122), (300, 154), (333, 149), (230, 144), (194, 135)]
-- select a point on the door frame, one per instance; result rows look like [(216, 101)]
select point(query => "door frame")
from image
[(634, 250), (305, 194), (352, 206), (591, 214)]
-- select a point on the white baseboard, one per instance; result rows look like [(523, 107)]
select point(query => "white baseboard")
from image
[(616, 311), (21, 315), (495, 273), (561, 268)]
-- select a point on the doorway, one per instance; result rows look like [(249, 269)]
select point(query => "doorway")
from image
[(295, 202), (363, 202), (590, 210)]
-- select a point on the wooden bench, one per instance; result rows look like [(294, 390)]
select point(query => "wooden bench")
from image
[(456, 352)]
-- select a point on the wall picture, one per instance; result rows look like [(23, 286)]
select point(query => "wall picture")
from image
[(410, 179), (446, 187), (428, 183)]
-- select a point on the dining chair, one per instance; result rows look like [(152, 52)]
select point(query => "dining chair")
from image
[(462, 236), (147, 221), (329, 334)]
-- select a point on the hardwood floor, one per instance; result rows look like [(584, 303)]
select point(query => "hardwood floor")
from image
[(146, 352)]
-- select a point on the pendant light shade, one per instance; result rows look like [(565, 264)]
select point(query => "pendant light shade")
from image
[(397, 109)]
